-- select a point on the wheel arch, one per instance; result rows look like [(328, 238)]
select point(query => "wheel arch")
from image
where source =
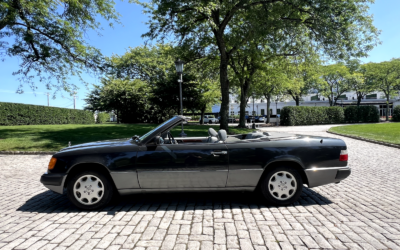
[(285, 162), (80, 167)]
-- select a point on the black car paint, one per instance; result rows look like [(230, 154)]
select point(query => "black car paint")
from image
[(143, 166)]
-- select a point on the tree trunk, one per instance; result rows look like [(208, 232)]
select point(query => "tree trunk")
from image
[(244, 89), (297, 99), (203, 110), (359, 97), (223, 77), (387, 107), (268, 107)]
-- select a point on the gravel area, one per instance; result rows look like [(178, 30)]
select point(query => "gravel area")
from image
[(359, 213)]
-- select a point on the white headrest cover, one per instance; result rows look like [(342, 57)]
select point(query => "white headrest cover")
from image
[(222, 135), (212, 132)]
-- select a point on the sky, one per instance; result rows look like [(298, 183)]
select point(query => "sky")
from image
[(118, 39)]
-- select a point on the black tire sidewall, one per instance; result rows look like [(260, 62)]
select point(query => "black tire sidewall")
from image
[(268, 196), (107, 196)]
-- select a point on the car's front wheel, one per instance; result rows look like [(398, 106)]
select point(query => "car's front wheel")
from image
[(90, 190), (282, 186)]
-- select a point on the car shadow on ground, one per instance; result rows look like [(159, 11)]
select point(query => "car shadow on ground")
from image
[(50, 202)]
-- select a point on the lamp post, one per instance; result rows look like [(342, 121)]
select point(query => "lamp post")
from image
[(276, 107), (179, 70)]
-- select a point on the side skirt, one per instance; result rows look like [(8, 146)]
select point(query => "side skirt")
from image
[(177, 190)]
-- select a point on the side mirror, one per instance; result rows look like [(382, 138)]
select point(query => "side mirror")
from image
[(158, 140)]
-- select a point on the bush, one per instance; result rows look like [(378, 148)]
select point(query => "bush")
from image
[(103, 117), (354, 114), (303, 115), (23, 114), (396, 114)]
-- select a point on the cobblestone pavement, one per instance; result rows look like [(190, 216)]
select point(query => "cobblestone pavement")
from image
[(362, 212)]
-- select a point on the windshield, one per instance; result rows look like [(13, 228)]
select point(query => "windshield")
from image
[(211, 116), (154, 129)]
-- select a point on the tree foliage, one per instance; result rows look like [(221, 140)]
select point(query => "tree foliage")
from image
[(340, 28), (49, 38)]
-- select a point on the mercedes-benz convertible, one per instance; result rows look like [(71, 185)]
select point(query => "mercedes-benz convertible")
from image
[(277, 164)]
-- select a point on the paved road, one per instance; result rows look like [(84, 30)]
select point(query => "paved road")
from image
[(362, 212)]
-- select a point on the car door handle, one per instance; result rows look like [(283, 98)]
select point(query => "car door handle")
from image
[(219, 153)]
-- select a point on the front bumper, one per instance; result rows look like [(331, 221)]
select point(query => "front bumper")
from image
[(321, 176), (54, 182)]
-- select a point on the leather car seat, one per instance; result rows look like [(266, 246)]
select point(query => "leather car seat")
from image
[(212, 136), (222, 136)]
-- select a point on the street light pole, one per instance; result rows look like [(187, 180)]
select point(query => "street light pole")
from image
[(179, 69)]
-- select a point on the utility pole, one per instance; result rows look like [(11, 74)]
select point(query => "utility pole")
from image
[(74, 98), (48, 101)]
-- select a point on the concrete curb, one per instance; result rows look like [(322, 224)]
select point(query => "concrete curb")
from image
[(27, 152), (366, 140)]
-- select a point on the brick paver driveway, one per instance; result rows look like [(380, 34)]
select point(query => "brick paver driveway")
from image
[(362, 212)]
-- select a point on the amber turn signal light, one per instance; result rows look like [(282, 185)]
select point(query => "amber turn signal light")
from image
[(52, 163)]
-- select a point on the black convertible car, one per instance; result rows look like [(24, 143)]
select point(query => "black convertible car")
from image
[(278, 164)]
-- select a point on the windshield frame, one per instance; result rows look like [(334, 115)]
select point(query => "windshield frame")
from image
[(169, 124)]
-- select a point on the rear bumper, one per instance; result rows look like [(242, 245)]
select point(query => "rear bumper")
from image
[(54, 182), (321, 176)]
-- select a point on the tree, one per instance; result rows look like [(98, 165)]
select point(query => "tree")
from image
[(49, 38), (341, 28), (359, 80), (304, 72), (336, 77), (386, 76)]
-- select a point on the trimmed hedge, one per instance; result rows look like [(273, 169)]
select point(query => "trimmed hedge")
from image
[(354, 114), (304, 115), (103, 117), (396, 114), (23, 114)]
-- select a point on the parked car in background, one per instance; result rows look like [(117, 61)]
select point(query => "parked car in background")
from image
[(210, 119), (250, 118), (233, 120), (260, 119)]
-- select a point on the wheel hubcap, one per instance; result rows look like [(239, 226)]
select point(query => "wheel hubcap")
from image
[(282, 185), (88, 189)]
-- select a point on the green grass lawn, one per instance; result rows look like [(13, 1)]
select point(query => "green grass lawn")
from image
[(56, 137), (386, 132)]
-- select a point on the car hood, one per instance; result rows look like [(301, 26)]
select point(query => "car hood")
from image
[(97, 144)]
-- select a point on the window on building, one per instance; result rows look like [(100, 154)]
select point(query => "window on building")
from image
[(342, 97), (372, 96), (247, 113), (253, 112), (232, 113), (278, 111), (270, 111), (262, 112), (315, 98), (262, 100)]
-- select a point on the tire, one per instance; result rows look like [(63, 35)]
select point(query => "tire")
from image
[(292, 186), (210, 122), (99, 193)]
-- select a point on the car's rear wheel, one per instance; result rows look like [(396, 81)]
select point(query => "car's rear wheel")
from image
[(282, 186), (90, 190)]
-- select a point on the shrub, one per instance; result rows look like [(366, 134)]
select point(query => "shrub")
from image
[(354, 114), (103, 117), (396, 114), (304, 115), (23, 114)]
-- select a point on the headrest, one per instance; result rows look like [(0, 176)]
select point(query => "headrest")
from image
[(212, 132), (222, 135)]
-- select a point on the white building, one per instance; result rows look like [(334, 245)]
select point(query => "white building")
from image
[(259, 106)]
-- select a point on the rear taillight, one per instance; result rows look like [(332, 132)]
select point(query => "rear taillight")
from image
[(343, 155)]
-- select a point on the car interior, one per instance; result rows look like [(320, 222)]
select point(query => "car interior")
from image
[(222, 137)]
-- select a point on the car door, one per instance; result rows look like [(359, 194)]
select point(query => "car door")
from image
[(182, 166)]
